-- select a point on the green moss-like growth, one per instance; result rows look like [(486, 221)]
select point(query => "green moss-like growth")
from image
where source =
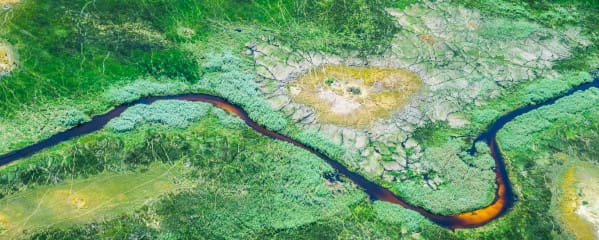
[(143, 88), (72, 117), (504, 29), (394, 214), (226, 77), (464, 187), (174, 114)]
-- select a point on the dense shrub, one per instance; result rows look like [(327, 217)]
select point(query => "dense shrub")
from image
[(464, 187), (322, 144), (227, 119), (533, 92), (552, 13), (143, 88), (171, 113), (225, 77), (395, 214), (72, 117), (546, 88), (520, 133), (359, 25), (482, 159), (485, 115)]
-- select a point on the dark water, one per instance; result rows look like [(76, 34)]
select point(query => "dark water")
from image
[(504, 198)]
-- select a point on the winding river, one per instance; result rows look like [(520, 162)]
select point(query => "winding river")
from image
[(504, 197)]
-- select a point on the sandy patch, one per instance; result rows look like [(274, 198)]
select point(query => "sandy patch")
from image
[(7, 59), (588, 200), (339, 104)]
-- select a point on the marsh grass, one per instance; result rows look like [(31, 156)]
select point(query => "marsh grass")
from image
[(356, 96)]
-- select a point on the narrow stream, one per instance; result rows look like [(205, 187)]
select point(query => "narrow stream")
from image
[(504, 197)]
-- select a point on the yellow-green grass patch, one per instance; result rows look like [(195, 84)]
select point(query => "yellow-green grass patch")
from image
[(2, 2), (81, 201), (579, 204), (354, 96), (7, 58)]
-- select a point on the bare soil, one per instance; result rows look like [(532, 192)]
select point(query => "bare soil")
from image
[(354, 96)]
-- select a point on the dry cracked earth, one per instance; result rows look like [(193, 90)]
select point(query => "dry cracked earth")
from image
[(458, 61)]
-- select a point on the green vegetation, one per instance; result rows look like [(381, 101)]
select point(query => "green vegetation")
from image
[(394, 214), (525, 94), (68, 50), (79, 58), (504, 29), (560, 118), (71, 49), (540, 143), (274, 189), (464, 170), (224, 76), (118, 95), (467, 182), (71, 52), (72, 118), (33, 123), (177, 114), (80, 201), (329, 81), (555, 14)]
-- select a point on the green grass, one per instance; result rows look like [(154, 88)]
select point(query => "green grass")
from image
[(71, 49), (81, 201), (247, 182), (65, 51), (70, 52)]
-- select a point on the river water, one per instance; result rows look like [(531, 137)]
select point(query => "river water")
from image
[(504, 196)]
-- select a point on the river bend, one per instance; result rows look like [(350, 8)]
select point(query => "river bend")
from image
[(504, 196)]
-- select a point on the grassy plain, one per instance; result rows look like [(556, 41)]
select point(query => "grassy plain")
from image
[(85, 200)]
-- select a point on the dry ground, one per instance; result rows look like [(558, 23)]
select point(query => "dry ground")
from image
[(354, 96)]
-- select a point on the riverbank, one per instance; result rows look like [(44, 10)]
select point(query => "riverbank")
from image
[(499, 206)]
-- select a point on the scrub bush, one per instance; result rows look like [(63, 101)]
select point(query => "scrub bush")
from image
[(72, 118), (227, 119), (395, 214), (225, 77), (482, 159), (521, 133), (546, 88), (143, 88), (171, 113), (464, 187)]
